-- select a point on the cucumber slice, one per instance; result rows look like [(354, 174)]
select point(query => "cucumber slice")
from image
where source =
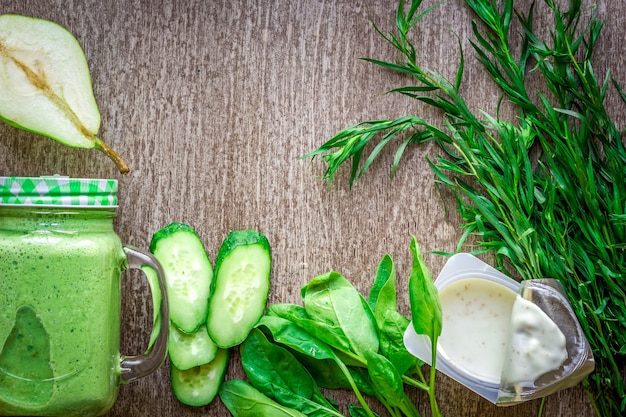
[(189, 350), (199, 385), (240, 288), (188, 274)]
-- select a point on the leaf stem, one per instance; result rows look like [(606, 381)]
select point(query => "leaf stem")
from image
[(417, 384), (356, 390), (434, 407)]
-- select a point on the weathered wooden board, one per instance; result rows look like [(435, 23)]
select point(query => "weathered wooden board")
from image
[(212, 102)]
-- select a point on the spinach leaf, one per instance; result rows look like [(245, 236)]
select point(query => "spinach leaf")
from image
[(426, 313), (289, 334), (332, 300), (423, 297), (382, 295), (388, 383), (391, 324), (275, 372), (243, 400), (332, 336), (356, 411), (269, 366), (386, 378), (330, 333), (391, 330), (313, 409), (288, 311), (328, 374)]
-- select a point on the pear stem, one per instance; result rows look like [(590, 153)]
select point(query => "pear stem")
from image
[(108, 151)]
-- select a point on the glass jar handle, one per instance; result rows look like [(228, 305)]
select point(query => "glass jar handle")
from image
[(136, 367)]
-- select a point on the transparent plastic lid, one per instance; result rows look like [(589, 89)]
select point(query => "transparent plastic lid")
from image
[(58, 191), (549, 297), (542, 348)]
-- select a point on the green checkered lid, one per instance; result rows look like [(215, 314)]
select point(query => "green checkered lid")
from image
[(58, 191)]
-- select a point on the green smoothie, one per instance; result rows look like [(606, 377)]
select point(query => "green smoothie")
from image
[(60, 311)]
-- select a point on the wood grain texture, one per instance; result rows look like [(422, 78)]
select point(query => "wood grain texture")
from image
[(212, 102)]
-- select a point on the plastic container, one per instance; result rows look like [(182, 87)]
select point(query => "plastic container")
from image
[(490, 375)]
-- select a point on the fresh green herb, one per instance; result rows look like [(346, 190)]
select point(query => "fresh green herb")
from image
[(243, 400), (331, 299), (382, 296), (423, 297), (275, 371), (312, 350), (545, 193), (388, 382), (426, 312), (338, 340), (391, 324)]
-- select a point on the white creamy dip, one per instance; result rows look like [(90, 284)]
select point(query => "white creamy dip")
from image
[(537, 344), (476, 326), (490, 332)]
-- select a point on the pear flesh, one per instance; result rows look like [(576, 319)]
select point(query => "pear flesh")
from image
[(45, 84)]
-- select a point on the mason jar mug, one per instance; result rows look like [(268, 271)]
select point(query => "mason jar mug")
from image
[(60, 298)]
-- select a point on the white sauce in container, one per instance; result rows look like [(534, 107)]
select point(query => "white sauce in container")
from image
[(490, 332), (476, 326), (499, 343), (537, 344)]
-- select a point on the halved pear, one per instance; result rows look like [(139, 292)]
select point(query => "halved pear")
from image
[(45, 84)]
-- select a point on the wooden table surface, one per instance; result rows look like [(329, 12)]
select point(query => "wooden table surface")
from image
[(212, 102)]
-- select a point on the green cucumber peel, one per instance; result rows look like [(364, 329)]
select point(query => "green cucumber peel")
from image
[(241, 287), (198, 386), (188, 274)]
